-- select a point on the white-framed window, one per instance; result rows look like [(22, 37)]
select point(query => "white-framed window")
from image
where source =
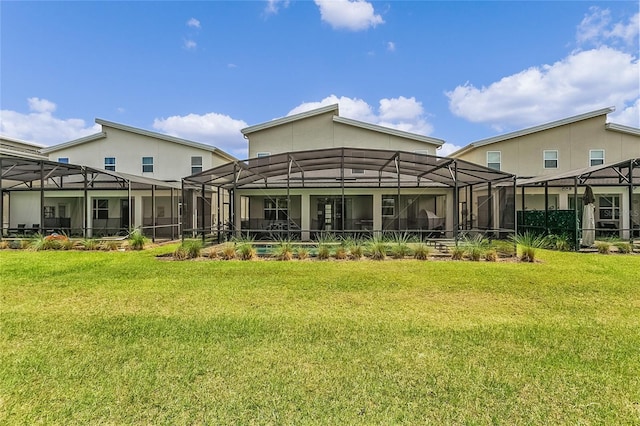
[(596, 157), (550, 158), (64, 160), (196, 165), (388, 206), (110, 163), (608, 207), (276, 209), (49, 212), (263, 154), (421, 151), (147, 164), (494, 159), (100, 208)]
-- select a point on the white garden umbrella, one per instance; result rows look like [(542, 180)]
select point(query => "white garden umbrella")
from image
[(588, 218)]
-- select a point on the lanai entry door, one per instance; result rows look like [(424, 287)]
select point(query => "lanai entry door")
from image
[(332, 214)]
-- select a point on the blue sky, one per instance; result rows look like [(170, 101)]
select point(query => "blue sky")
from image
[(458, 71)]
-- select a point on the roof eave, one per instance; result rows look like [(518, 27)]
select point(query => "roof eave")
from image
[(388, 130), (622, 129), (290, 118), (69, 144)]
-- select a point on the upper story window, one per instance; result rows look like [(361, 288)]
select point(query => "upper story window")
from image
[(64, 160), (196, 165), (147, 164), (494, 159), (421, 151), (550, 159), (263, 154), (110, 163), (596, 157)]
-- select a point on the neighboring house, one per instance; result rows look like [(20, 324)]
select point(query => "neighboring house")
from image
[(10, 146), (560, 147), (146, 168), (315, 172)]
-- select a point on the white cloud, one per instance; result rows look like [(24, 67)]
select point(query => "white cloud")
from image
[(215, 129), (629, 116), (582, 82), (391, 46), (447, 149), (193, 23), (190, 45), (401, 113), (273, 6), (597, 29), (354, 15), (41, 126)]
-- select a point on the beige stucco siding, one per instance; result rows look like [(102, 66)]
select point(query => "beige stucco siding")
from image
[(171, 161), (523, 155), (320, 131)]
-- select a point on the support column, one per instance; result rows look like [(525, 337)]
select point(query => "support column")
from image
[(377, 211), (305, 219)]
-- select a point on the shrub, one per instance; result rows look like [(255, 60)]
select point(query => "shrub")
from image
[(603, 247), (623, 247), (324, 251), (228, 250), (559, 242), (302, 253), (528, 243), (457, 253), (247, 251), (356, 251), (377, 248), (180, 253), (491, 255), (4, 245), (475, 247), (284, 250), (110, 245), (50, 242), (90, 244), (137, 240), (213, 253), (341, 253), (18, 244), (67, 244), (421, 251), (193, 248), (400, 246)]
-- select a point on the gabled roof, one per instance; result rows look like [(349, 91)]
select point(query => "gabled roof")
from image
[(142, 132), (387, 130), (342, 120), (535, 129), (612, 174), (290, 118)]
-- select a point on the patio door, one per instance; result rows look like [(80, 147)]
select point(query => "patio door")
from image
[(124, 213), (330, 211)]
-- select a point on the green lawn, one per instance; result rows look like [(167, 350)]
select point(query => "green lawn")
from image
[(122, 338)]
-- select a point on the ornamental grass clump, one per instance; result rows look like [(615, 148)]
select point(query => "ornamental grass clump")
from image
[(302, 253), (528, 244), (284, 250), (623, 247), (400, 246), (377, 248), (90, 244), (356, 251), (228, 251), (475, 247), (603, 247), (137, 240), (457, 253), (491, 255), (192, 248), (421, 251)]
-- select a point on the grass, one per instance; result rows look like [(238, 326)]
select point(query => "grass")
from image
[(115, 337)]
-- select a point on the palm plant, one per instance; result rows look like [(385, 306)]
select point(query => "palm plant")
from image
[(137, 240), (284, 250)]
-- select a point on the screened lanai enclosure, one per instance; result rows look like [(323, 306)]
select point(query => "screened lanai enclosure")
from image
[(40, 196), (350, 192), (598, 202)]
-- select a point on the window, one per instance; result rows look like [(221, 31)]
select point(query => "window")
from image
[(596, 157), (64, 160), (550, 159), (421, 151), (49, 212), (493, 159), (147, 164), (110, 163), (276, 209), (263, 154), (609, 207), (100, 209), (388, 206), (357, 171), (196, 165)]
